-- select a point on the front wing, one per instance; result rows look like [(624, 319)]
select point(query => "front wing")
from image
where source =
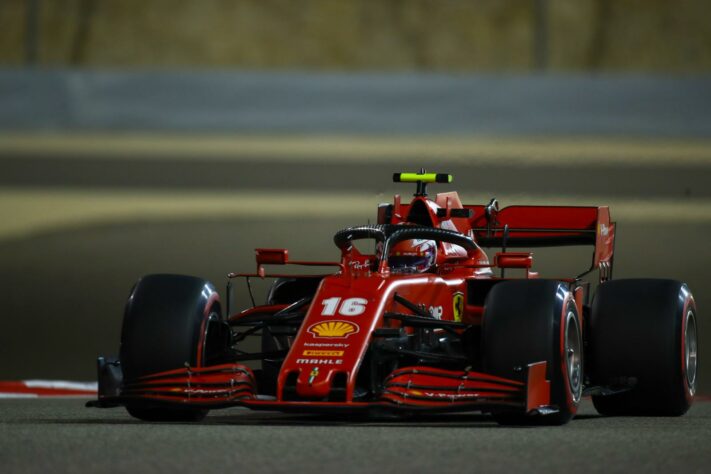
[(408, 389)]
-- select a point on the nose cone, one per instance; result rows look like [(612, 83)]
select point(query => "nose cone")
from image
[(332, 341)]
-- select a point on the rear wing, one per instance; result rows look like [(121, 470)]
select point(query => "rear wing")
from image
[(547, 226), (513, 226)]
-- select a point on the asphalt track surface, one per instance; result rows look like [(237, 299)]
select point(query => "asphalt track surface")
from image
[(62, 436)]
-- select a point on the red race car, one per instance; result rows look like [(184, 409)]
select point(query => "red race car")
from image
[(423, 321)]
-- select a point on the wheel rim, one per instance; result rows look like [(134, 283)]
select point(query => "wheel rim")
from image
[(573, 352), (690, 348)]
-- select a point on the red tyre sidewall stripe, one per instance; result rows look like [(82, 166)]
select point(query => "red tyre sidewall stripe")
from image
[(214, 298)]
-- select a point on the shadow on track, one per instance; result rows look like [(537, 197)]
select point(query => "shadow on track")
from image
[(451, 420)]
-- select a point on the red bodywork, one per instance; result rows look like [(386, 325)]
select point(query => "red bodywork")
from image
[(350, 307)]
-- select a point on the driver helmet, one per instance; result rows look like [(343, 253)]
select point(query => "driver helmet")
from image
[(412, 256)]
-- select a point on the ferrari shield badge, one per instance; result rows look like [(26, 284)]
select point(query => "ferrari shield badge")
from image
[(313, 375), (458, 306)]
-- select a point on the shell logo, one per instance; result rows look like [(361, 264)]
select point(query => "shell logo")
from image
[(333, 329)]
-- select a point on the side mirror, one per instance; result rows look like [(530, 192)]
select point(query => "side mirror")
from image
[(272, 256)]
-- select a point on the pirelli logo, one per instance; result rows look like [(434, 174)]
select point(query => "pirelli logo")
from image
[(322, 353)]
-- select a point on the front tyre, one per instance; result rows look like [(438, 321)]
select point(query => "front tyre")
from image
[(527, 321), (170, 321)]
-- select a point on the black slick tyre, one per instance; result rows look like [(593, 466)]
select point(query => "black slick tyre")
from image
[(170, 321), (644, 334), (528, 321)]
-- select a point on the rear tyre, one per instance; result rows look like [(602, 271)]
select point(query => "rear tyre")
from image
[(644, 331), (170, 321), (527, 321)]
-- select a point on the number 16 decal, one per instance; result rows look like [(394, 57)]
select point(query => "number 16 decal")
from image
[(349, 307)]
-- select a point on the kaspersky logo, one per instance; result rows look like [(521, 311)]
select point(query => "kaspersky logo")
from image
[(333, 329)]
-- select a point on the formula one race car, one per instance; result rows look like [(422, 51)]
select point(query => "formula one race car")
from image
[(424, 321)]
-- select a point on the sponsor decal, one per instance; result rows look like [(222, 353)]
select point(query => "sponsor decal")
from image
[(436, 312), (322, 353), (360, 265), (326, 344), (319, 361), (458, 306), (603, 230), (333, 329), (450, 396)]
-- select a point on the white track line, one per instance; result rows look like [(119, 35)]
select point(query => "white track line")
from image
[(46, 388), (61, 385)]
